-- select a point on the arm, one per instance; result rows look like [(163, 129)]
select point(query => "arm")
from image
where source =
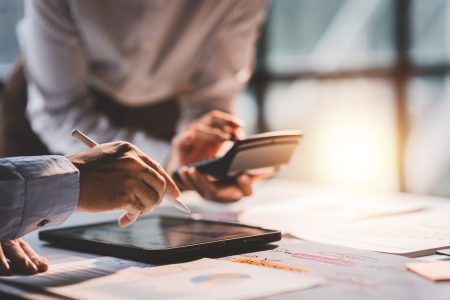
[(35, 192), (44, 190), (58, 77), (204, 126)]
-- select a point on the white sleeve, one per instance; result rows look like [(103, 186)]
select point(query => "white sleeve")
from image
[(58, 96)]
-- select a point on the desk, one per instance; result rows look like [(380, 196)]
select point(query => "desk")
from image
[(266, 192)]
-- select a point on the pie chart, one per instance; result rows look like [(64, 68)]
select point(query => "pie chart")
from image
[(220, 278)]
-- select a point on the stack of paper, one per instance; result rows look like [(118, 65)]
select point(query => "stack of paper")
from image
[(412, 235), (392, 223), (202, 279), (348, 273), (69, 273), (327, 209)]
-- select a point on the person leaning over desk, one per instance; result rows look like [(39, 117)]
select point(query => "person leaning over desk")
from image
[(159, 74), (42, 191)]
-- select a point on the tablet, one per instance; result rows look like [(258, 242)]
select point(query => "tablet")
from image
[(160, 238), (270, 149)]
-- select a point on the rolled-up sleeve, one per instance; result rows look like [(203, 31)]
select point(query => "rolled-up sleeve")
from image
[(36, 192)]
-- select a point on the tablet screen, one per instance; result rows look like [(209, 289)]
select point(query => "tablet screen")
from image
[(156, 233)]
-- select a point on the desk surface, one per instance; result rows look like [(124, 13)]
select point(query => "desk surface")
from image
[(270, 191)]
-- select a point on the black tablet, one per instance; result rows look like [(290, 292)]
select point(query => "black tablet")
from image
[(160, 238), (270, 149)]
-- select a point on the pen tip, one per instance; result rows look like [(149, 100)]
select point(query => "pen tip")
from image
[(187, 209), (183, 207)]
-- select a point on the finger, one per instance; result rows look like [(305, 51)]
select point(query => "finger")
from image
[(211, 134), (262, 174), (234, 133), (239, 134), (224, 192), (184, 178), (201, 184), (245, 182), (147, 197), (155, 182), (171, 187), (20, 262), (4, 265), (221, 119), (212, 191), (128, 217), (40, 262)]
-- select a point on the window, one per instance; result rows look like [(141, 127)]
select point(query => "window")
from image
[(10, 13), (367, 82)]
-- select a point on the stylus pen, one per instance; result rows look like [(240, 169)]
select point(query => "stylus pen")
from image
[(91, 143)]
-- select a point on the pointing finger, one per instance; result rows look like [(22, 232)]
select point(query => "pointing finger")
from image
[(217, 118)]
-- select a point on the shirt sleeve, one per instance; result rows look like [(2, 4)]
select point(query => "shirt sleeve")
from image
[(58, 78), (36, 192), (227, 61)]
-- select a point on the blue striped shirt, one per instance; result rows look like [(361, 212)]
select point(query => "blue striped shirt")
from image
[(36, 192)]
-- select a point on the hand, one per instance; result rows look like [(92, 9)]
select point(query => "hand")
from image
[(16, 256), (120, 176), (229, 191), (202, 140)]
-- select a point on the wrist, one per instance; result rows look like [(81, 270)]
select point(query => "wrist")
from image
[(78, 163)]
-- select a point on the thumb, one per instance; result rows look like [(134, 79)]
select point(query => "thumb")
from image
[(128, 217)]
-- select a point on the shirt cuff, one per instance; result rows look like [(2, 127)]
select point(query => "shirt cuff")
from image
[(51, 191)]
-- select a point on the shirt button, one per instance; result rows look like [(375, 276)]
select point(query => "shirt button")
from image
[(43, 223)]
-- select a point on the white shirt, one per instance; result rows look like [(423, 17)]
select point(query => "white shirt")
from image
[(138, 51)]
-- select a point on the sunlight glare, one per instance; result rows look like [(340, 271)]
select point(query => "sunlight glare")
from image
[(352, 150)]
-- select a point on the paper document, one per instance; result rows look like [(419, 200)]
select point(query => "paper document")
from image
[(348, 273), (384, 222), (414, 235), (436, 271), (69, 273), (328, 208), (202, 279)]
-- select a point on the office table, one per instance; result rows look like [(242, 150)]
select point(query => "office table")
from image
[(267, 192)]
